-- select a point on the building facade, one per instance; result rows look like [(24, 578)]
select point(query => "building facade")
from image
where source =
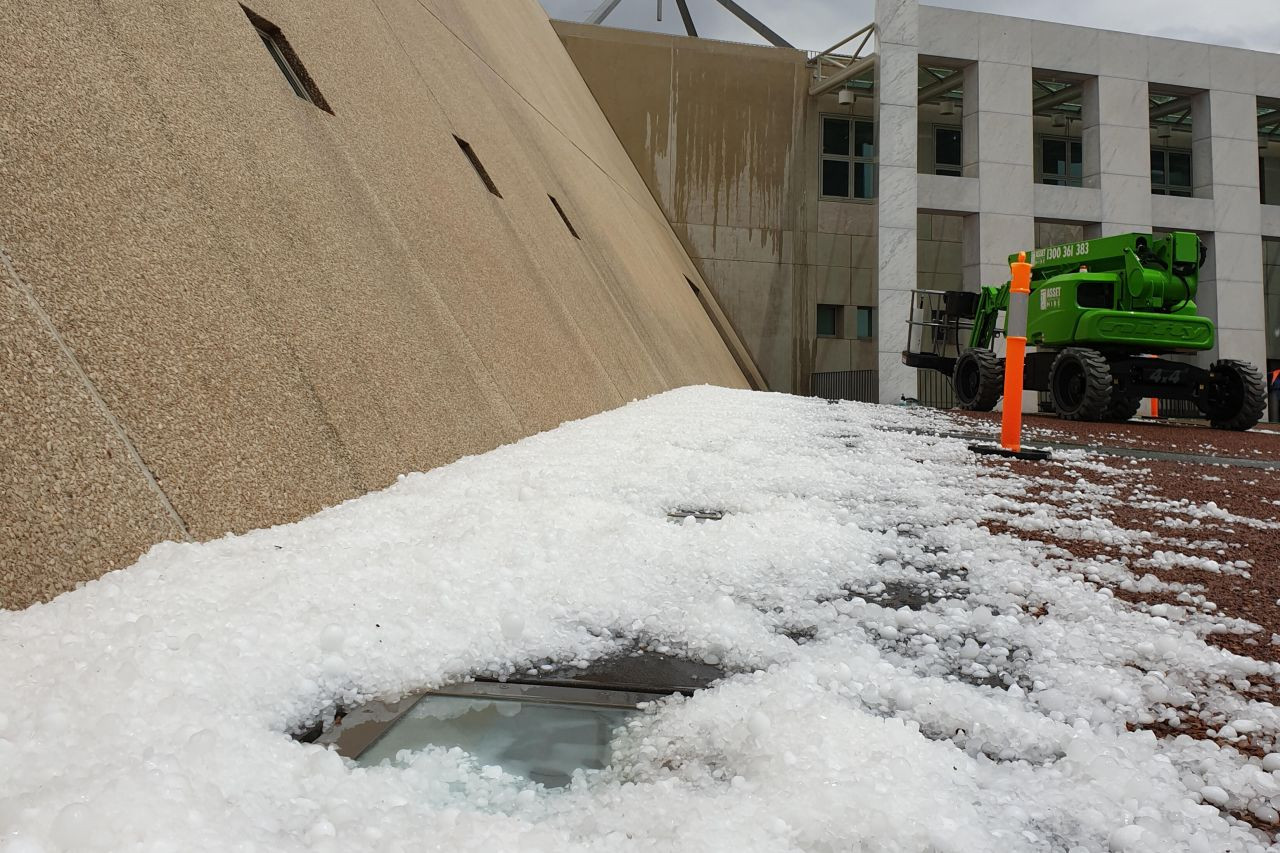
[(814, 214)]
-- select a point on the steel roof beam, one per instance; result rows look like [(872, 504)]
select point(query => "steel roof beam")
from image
[(602, 11), (1057, 99), (835, 81), (1164, 110), (941, 87), (750, 20), (685, 16)]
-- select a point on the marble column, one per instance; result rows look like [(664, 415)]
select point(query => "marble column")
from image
[(1000, 153), (1224, 166), (897, 26), (997, 125), (1117, 141)]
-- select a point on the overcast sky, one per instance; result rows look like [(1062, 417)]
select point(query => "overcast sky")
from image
[(815, 24)]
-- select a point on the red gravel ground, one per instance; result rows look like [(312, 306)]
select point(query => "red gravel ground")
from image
[(1261, 442), (1251, 593), (1249, 492)]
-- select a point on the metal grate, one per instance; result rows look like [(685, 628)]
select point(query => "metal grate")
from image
[(934, 389), (696, 514), (860, 385), (1175, 409)]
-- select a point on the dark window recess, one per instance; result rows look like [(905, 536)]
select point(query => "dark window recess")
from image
[(480, 169), (1170, 172), (835, 136), (567, 223), (287, 60), (848, 167), (835, 178), (829, 321), (866, 322), (1061, 162), (1095, 294), (946, 151)]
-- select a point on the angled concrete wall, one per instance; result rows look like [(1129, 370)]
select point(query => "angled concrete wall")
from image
[(224, 308)]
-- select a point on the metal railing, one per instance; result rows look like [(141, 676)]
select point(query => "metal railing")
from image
[(934, 389), (936, 324), (860, 385)]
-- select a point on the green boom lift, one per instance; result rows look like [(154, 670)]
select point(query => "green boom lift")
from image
[(1102, 313)]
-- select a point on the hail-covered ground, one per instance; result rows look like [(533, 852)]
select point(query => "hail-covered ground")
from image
[(901, 678)]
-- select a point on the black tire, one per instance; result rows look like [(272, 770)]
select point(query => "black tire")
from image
[(1236, 396), (1080, 384), (978, 380), (1122, 407)]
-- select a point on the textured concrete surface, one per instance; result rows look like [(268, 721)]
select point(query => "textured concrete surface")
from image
[(277, 308)]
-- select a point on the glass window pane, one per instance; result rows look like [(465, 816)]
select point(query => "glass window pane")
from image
[(1179, 169), (1077, 153), (946, 150), (864, 323), (864, 180), (835, 178), (835, 136), (1157, 167), (543, 742), (828, 320), (864, 139), (1053, 155)]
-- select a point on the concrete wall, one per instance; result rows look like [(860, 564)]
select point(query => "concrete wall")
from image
[(224, 308), (727, 139)]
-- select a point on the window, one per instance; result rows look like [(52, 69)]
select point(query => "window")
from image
[(866, 322), (287, 60), (544, 727), (1095, 294), (829, 321), (1170, 172), (542, 733), (567, 223), (947, 151), (479, 167), (848, 158), (1061, 161)]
